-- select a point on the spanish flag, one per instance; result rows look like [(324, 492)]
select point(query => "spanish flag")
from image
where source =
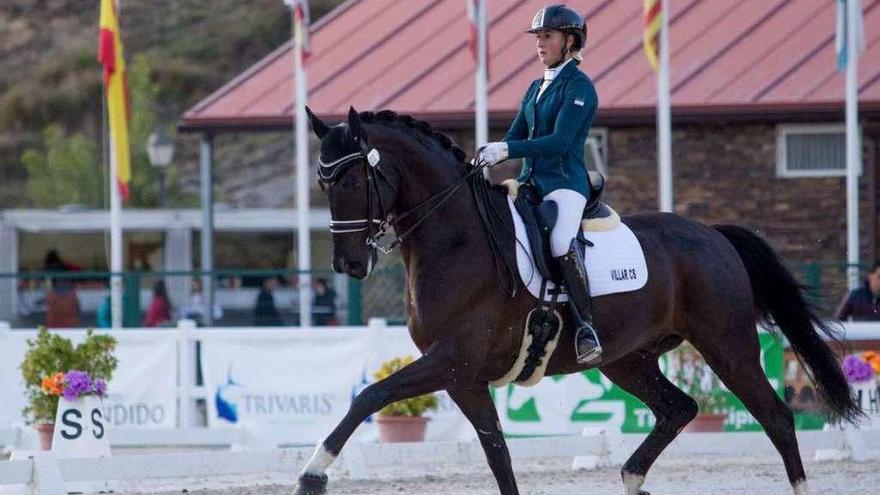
[(301, 24), (653, 22), (116, 90)]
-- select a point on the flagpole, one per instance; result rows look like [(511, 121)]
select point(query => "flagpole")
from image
[(115, 231), (853, 147), (304, 245), (481, 92), (115, 243), (664, 118)]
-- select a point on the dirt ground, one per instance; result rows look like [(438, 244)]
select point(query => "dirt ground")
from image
[(704, 475)]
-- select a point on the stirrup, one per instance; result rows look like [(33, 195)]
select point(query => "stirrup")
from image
[(592, 356)]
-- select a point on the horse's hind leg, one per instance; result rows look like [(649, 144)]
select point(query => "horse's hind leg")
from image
[(736, 359), (429, 373), (477, 406), (640, 375)]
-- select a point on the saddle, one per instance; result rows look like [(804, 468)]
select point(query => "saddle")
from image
[(540, 217)]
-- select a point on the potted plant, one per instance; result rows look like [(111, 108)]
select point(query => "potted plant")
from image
[(402, 421), (53, 368), (860, 372), (697, 380)]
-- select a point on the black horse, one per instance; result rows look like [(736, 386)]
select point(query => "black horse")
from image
[(709, 286)]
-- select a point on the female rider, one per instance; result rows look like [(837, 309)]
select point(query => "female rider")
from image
[(549, 133)]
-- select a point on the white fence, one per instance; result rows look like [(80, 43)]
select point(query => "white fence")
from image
[(191, 415), (41, 473)]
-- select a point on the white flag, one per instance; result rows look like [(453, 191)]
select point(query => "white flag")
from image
[(841, 33)]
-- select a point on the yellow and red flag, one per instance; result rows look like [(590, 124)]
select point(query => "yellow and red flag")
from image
[(653, 21), (301, 24), (116, 90)]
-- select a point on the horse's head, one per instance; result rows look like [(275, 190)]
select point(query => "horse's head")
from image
[(360, 194)]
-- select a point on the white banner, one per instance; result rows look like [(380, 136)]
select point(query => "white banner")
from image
[(141, 393), (299, 380), (12, 395), (301, 383)]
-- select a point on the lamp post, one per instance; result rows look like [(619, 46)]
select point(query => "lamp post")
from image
[(160, 149)]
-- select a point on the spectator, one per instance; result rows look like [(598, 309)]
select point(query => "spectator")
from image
[(265, 312), (196, 306), (62, 305), (104, 317), (159, 312), (863, 304), (324, 305), (54, 263)]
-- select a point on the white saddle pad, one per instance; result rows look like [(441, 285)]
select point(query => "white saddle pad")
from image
[(616, 262)]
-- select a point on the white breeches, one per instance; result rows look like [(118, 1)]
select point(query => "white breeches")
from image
[(571, 209)]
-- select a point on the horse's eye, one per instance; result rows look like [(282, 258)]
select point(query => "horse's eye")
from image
[(351, 184)]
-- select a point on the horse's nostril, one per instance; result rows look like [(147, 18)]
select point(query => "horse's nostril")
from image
[(354, 266)]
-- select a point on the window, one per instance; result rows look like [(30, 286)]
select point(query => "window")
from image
[(596, 151), (811, 150)]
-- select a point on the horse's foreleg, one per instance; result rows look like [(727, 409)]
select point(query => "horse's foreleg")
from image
[(640, 375), (429, 373), (477, 406)]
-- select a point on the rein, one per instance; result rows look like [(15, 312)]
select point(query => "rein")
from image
[(377, 227)]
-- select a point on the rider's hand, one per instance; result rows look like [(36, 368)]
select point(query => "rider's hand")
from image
[(494, 153)]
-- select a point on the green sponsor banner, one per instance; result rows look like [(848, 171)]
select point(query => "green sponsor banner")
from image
[(566, 404)]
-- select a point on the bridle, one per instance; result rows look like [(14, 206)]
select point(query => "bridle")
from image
[(377, 226)]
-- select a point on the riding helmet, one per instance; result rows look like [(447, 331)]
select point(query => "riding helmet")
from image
[(561, 18)]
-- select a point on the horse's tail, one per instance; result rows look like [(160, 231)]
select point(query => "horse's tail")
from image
[(780, 300)]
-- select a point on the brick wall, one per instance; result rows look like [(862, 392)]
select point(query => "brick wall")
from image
[(726, 173)]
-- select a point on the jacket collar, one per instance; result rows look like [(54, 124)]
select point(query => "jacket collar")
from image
[(564, 73), (558, 70)]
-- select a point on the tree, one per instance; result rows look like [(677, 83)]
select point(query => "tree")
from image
[(67, 172)]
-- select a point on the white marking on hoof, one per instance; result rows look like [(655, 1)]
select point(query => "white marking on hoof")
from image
[(632, 483), (321, 460), (800, 488)]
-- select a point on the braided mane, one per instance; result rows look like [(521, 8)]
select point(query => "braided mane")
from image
[(416, 128)]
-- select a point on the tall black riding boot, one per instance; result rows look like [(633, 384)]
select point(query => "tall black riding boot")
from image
[(574, 274)]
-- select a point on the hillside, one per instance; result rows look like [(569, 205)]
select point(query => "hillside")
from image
[(178, 51)]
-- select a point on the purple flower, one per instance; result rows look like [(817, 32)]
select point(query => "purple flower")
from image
[(77, 384), (100, 387), (856, 370)]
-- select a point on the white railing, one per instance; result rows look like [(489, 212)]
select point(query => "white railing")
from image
[(189, 427)]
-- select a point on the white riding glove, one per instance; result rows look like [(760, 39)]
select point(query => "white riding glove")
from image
[(494, 153)]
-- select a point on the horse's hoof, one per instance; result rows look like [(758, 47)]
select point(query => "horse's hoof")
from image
[(312, 484), (643, 492)]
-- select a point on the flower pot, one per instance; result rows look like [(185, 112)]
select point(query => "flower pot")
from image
[(393, 429), (45, 430), (867, 396), (706, 423)]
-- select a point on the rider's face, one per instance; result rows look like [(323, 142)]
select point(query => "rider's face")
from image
[(549, 44)]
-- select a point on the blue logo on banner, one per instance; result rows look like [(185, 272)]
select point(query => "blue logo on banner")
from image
[(359, 387), (225, 398)]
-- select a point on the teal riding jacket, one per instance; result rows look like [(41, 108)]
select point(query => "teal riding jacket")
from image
[(550, 133)]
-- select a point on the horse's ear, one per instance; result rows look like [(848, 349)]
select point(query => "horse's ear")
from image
[(318, 125), (354, 123)]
